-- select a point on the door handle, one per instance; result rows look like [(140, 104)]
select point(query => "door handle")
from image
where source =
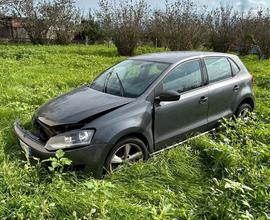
[(203, 100), (236, 88)]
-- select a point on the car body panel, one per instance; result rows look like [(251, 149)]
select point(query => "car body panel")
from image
[(174, 121), (134, 118), (221, 99), (78, 105)]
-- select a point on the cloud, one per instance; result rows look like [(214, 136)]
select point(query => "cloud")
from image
[(244, 4), (86, 4), (238, 4)]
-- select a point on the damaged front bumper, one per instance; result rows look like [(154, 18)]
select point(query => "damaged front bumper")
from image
[(91, 157)]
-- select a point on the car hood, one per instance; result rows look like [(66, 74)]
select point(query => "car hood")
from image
[(78, 105)]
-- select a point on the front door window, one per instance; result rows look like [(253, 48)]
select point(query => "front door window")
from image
[(184, 77)]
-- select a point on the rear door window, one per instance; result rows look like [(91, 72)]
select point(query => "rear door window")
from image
[(218, 68)]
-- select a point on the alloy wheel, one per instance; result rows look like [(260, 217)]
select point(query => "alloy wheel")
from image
[(244, 114), (126, 154)]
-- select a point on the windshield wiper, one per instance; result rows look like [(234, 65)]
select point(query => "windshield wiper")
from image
[(121, 84), (106, 81)]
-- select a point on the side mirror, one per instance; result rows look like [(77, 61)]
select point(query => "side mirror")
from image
[(168, 96)]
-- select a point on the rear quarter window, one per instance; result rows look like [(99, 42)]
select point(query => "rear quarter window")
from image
[(235, 67), (218, 68)]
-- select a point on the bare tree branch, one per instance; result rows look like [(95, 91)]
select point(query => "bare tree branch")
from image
[(40, 17), (222, 23), (124, 22)]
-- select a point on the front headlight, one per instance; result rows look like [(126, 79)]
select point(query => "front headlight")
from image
[(70, 139)]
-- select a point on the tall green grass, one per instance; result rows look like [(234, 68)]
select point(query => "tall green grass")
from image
[(221, 176)]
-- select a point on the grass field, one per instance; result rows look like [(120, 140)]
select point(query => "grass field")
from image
[(226, 176)]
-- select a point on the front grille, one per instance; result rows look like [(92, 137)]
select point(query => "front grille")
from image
[(44, 132)]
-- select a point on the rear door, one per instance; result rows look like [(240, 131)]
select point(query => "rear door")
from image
[(174, 121), (223, 88)]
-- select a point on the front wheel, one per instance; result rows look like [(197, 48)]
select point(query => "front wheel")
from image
[(126, 151), (243, 112)]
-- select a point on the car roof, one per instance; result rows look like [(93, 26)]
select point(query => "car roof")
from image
[(176, 56)]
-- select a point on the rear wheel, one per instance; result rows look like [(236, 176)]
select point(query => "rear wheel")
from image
[(127, 151), (243, 112)]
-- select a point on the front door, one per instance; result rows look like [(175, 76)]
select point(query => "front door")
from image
[(175, 121)]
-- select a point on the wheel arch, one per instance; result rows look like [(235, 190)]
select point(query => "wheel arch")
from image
[(136, 135), (248, 100), (147, 139)]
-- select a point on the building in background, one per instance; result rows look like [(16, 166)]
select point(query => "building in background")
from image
[(11, 29)]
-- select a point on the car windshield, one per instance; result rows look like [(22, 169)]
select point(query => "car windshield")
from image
[(129, 78)]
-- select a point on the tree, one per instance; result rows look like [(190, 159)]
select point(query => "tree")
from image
[(262, 32), (245, 38), (90, 29), (41, 17), (65, 18), (123, 21), (182, 25), (221, 23), (155, 31), (33, 17), (3, 3)]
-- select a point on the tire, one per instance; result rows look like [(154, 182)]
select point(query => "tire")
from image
[(126, 151), (243, 111)]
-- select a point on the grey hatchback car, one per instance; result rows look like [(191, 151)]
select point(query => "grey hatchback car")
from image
[(139, 107)]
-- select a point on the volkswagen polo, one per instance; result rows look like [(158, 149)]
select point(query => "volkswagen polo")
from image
[(139, 107)]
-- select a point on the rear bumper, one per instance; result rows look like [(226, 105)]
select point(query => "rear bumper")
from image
[(92, 156)]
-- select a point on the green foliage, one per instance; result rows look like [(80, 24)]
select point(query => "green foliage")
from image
[(58, 162), (225, 175), (238, 159)]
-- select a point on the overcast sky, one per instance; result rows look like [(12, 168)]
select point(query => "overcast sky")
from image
[(240, 4)]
